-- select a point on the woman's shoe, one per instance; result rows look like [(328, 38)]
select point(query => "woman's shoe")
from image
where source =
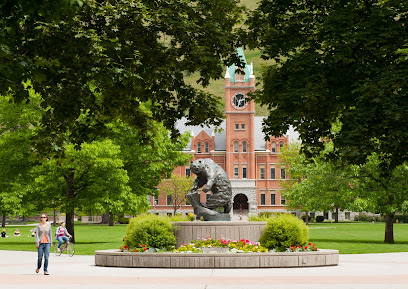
[(37, 270), (46, 273)]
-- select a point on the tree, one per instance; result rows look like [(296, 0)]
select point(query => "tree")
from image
[(176, 187), (336, 60), (317, 185), (386, 195), (129, 51), (91, 178), (16, 134)]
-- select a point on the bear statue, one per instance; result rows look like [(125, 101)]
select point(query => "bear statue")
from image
[(214, 179)]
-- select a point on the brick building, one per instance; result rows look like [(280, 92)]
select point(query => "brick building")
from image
[(252, 164)]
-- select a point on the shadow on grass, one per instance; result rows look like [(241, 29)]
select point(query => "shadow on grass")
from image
[(357, 241)]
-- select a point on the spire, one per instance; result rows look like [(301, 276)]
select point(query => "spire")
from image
[(227, 75)]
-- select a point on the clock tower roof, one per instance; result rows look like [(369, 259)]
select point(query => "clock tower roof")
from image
[(248, 69)]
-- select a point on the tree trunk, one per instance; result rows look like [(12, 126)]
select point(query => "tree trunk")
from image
[(110, 218), (336, 219), (69, 222), (55, 218), (3, 224), (105, 218), (389, 228)]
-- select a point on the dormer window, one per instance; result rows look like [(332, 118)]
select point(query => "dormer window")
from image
[(273, 147), (199, 148), (206, 147)]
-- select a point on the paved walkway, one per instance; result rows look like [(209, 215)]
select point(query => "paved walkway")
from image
[(369, 271)]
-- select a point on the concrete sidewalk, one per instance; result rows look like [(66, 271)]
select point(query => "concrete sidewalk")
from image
[(369, 271)]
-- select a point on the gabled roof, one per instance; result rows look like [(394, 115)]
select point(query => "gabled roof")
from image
[(220, 137)]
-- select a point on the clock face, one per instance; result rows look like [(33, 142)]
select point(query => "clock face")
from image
[(239, 100)]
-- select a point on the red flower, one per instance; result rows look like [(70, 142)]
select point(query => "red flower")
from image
[(135, 250), (143, 246), (310, 244), (145, 249), (306, 247)]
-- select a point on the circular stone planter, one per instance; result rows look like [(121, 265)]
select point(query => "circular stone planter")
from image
[(115, 258)]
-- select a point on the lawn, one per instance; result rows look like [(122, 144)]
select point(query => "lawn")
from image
[(358, 238), (88, 238), (348, 238)]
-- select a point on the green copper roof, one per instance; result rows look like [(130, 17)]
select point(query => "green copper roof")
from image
[(247, 69)]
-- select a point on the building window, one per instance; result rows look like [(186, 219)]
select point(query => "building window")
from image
[(262, 199), (188, 172), (155, 201), (283, 173), (273, 199), (169, 200), (236, 126), (312, 215), (280, 146), (347, 215), (207, 196), (236, 145), (273, 147), (199, 148), (283, 201), (236, 172), (206, 147), (244, 172), (273, 173), (242, 126), (244, 147), (262, 173)]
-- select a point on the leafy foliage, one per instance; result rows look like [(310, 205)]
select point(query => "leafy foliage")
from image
[(177, 187), (336, 60), (129, 52), (317, 185), (284, 231), (152, 230)]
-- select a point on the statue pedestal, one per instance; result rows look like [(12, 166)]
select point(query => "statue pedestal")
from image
[(187, 231), (218, 218)]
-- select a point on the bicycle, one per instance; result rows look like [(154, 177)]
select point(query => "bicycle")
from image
[(67, 247)]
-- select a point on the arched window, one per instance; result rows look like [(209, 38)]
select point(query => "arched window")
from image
[(273, 147), (236, 145), (206, 147), (244, 147), (199, 147), (281, 145)]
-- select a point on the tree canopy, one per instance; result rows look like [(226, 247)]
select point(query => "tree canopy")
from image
[(127, 51), (336, 61)]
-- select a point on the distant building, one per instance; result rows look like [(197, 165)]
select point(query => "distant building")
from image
[(252, 164)]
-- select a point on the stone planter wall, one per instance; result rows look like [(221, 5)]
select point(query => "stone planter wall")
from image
[(115, 258), (187, 231)]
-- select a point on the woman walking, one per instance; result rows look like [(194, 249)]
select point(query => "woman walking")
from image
[(43, 241)]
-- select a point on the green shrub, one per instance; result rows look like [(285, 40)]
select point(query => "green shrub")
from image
[(283, 231), (401, 218), (123, 220), (150, 230), (319, 219), (363, 217), (181, 218)]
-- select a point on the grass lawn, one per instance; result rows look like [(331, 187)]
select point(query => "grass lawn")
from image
[(88, 238), (348, 238), (358, 238)]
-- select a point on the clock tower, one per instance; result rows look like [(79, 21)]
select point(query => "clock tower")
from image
[(240, 113)]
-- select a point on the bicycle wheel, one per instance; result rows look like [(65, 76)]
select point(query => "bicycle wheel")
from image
[(70, 249), (57, 253)]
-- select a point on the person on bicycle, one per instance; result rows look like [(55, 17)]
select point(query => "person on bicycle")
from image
[(61, 234)]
